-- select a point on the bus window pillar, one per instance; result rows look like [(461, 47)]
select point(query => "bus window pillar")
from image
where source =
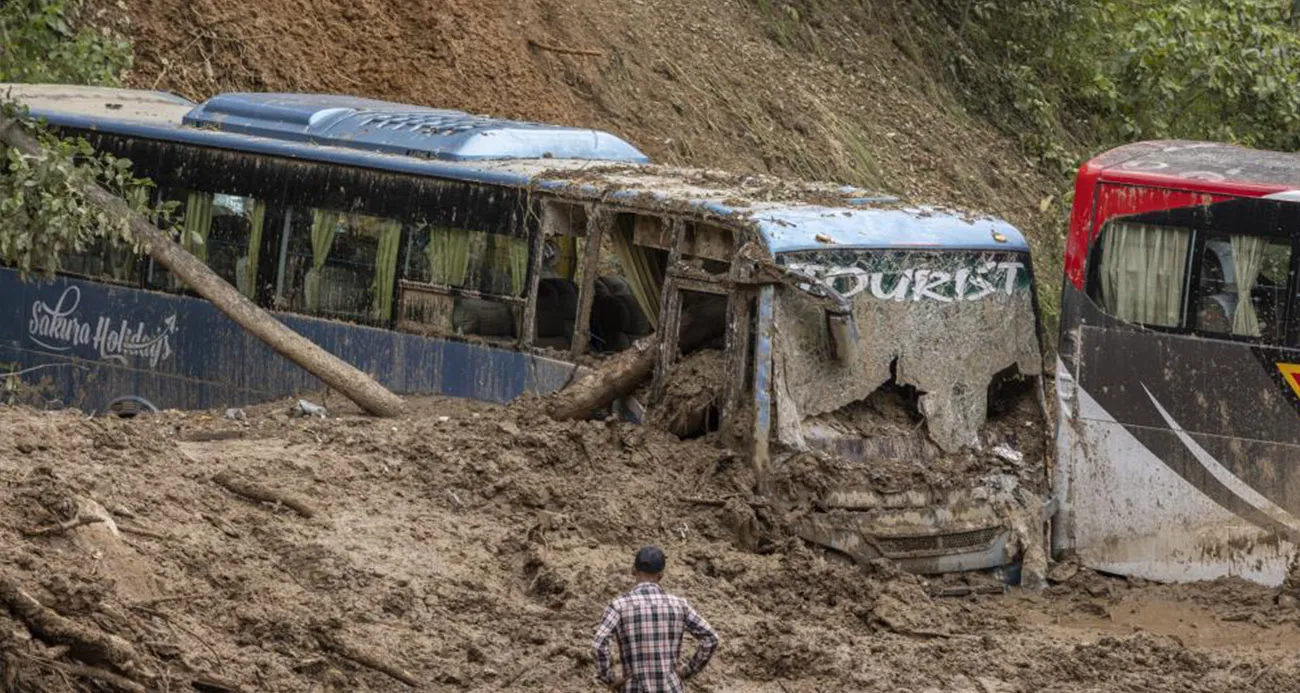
[(537, 241), (598, 221), (739, 340), (670, 312), (760, 450)]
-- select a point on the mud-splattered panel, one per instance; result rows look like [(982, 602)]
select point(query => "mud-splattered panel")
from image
[(943, 322)]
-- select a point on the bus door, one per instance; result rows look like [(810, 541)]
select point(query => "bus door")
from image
[(1179, 445)]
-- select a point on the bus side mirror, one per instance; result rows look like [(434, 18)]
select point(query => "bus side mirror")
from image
[(843, 331)]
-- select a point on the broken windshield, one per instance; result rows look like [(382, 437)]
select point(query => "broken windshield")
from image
[(944, 323)]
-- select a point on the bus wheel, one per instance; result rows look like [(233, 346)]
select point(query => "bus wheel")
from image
[(131, 406)]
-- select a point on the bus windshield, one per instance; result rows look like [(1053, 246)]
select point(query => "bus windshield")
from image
[(925, 404), (944, 323)]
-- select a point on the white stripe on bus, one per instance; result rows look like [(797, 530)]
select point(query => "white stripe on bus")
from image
[(1233, 483)]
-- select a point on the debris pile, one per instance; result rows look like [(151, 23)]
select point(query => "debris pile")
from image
[(472, 547)]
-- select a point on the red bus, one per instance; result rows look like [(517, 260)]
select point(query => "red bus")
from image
[(1179, 369)]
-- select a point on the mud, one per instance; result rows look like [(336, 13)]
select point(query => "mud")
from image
[(692, 395), (473, 546)]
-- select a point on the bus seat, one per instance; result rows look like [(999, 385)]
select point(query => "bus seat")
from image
[(636, 323), (557, 307), (485, 318)]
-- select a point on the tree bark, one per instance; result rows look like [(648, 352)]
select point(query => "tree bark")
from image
[(622, 373), (614, 378), (333, 371)]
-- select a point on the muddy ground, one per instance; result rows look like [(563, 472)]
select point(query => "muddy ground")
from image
[(472, 547)]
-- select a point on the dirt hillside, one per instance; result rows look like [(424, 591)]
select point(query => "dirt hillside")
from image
[(472, 547), (701, 83)]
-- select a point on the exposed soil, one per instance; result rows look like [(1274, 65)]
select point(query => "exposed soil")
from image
[(700, 83), (473, 547)]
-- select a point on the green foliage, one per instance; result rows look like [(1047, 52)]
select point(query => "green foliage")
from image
[(1208, 69), (44, 212), (37, 44), (1069, 77)]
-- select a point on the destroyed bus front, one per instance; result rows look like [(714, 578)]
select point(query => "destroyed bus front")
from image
[(906, 402)]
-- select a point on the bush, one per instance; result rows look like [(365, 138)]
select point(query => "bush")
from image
[(37, 44), (1207, 69), (1070, 77)]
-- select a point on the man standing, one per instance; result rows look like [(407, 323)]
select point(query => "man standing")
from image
[(649, 624)]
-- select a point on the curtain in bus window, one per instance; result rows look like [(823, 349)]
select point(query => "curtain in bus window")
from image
[(1247, 259), (1144, 271), (643, 276), (509, 256), (198, 222), (448, 252), (246, 270), (566, 260), (390, 241), (324, 225)]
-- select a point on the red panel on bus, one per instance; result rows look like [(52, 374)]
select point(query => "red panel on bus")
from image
[(1129, 191)]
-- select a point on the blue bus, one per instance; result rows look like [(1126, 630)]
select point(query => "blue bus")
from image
[(446, 253)]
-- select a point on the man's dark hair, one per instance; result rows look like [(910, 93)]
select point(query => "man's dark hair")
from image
[(650, 560)]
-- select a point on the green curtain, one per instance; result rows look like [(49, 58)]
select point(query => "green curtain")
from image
[(644, 277), (324, 225), (511, 254), (566, 262), (198, 222), (448, 252), (390, 241), (254, 249)]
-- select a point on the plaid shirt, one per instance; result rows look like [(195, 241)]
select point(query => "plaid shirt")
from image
[(649, 624)]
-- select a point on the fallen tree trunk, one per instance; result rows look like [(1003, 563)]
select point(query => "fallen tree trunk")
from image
[(622, 373), (613, 379), (333, 371), (257, 492)]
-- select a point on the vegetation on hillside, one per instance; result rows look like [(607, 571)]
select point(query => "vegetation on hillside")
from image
[(1076, 76), (43, 208), (1067, 79)]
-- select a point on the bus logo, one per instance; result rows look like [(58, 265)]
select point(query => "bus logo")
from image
[(58, 328)]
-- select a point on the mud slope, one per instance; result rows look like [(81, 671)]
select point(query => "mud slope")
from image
[(472, 547), (704, 83)]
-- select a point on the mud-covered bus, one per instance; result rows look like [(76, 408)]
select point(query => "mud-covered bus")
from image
[(865, 355), (1179, 370)]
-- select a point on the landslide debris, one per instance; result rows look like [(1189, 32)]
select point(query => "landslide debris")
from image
[(472, 547)]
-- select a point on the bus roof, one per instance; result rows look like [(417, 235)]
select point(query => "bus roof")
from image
[(1221, 167), (577, 162)]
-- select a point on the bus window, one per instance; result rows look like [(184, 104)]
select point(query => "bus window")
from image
[(339, 265), (1234, 266), (104, 260), (564, 235), (630, 280), (224, 231), (463, 281), (1143, 272)]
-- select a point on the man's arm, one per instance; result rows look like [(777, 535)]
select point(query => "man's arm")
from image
[(707, 643), (605, 631)]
